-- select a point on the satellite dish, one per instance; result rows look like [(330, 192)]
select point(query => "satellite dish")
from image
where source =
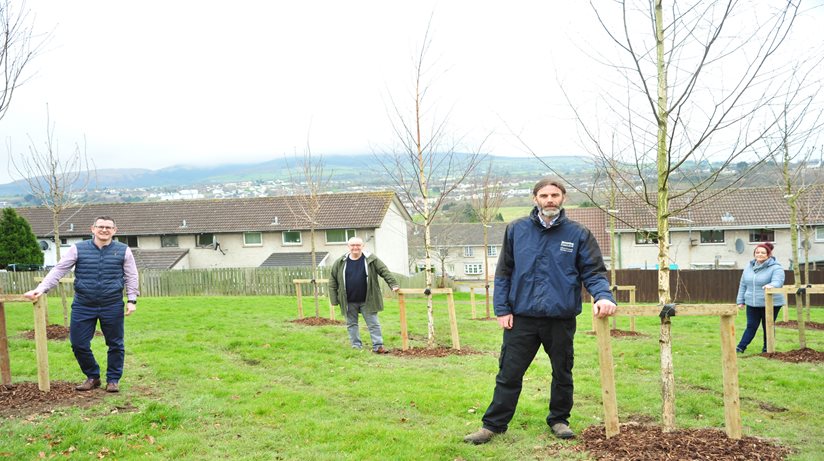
[(44, 245), (739, 246), (806, 244)]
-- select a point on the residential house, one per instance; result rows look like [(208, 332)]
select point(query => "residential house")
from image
[(458, 248), (721, 232), (245, 232)]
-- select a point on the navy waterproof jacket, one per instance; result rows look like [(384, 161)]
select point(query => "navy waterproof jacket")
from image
[(541, 269)]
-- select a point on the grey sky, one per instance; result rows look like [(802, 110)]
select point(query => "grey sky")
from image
[(157, 83)]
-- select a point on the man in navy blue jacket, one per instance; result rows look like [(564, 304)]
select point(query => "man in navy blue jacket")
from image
[(543, 262)]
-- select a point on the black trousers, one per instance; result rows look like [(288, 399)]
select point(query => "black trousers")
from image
[(520, 344)]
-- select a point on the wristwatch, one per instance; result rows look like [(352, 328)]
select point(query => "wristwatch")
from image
[(132, 301)]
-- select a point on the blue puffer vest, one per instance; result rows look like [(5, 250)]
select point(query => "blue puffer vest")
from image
[(98, 274)]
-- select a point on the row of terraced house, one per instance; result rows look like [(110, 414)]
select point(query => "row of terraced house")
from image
[(275, 231)]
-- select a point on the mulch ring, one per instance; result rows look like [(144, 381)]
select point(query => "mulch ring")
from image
[(24, 399), (56, 332), (53, 331), (807, 325), (796, 356), (639, 442), (438, 351), (316, 321), (620, 333)]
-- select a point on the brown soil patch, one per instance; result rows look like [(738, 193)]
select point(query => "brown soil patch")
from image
[(25, 399), (807, 325), (796, 356), (53, 331), (56, 332), (619, 333), (650, 443), (439, 351), (317, 321)]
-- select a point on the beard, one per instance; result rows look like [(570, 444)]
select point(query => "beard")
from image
[(551, 212)]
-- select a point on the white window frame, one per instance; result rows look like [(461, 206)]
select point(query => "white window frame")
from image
[(347, 234), (259, 243), (473, 269), (643, 238), (199, 240), (168, 244), (819, 234), (468, 252), (749, 237), (285, 243), (492, 250), (712, 231)]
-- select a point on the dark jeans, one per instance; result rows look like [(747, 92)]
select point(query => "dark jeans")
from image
[(520, 344), (83, 322), (756, 316)]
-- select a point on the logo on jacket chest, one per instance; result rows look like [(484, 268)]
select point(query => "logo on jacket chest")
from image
[(567, 247)]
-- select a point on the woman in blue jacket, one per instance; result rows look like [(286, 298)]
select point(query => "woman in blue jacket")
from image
[(762, 272)]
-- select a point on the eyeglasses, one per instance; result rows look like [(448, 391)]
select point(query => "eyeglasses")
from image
[(104, 227)]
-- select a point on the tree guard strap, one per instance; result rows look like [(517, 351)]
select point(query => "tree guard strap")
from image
[(801, 291), (613, 289), (667, 311)]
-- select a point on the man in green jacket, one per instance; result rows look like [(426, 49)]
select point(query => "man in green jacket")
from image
[(354, 284)]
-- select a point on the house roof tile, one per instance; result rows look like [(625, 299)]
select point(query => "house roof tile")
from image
[(745, 207), (303, 259), (157, 259), (463, 234), (336, 211)]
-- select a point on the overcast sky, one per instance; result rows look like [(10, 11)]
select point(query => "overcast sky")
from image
[(153, 84)]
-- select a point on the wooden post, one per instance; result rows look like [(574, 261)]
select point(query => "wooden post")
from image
[(472, 301), (631, 290), (769, 329), (453, 321), (607, 376), (298, 290), (5, 363), (41, 343), (667, 376), (404, 332), (729, 367), (456, 343), (732, 411)]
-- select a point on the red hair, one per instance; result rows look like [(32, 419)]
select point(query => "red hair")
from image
[(767, 246)]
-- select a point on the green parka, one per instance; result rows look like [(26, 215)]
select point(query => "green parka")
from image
[(374, 268)]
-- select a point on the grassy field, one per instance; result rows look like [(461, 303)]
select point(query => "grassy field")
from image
[(232, 378)]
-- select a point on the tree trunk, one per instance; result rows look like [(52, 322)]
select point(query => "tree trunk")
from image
[(486, 267), (665, 340)]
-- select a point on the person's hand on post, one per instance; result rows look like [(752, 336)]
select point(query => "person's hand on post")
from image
[(32, 295), (130, 307), (395, 289), (603, 308), (505, 321)]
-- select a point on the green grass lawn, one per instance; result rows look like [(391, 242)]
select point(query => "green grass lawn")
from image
[(232, 378)]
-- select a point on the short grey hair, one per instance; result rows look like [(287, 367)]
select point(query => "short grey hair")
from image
[(548, 181)]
